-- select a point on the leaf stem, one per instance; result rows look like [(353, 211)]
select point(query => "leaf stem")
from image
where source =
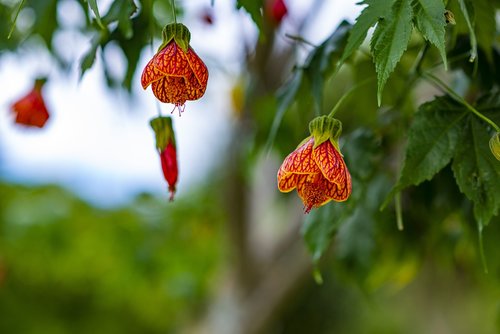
[(399, 214), (348, 94), (21, 4), (441, 85)]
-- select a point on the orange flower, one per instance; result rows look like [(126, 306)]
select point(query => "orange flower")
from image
[(176, 73), (316, 168), (31, 110)]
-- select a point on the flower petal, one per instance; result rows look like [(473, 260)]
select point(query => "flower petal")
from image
[(338, 192), (170, 89), (329, 161), (200, 72), (297, 163), (150, 74)]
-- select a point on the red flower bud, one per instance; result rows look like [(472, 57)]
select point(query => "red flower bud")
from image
[(276, 10), (316, 168), (176, 73), (30, 110), (165, 143)]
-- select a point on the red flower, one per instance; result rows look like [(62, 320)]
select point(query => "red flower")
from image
[(316, 168), (176, 73), (31, 110), (165, 143), (276, 10)]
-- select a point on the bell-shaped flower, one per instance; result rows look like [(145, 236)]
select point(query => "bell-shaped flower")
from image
[(316, 168), (30, 110), (165, 144), (176, 73)]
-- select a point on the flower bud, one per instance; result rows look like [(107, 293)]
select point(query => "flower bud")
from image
[(165, 144), (30, 110), (495, 145)]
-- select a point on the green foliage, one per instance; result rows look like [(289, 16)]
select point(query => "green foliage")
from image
[(254, 8), (68, 267), (437, 136), (393, 31)]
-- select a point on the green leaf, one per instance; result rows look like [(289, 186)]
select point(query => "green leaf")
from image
[(89, 58), (252, 7), (322, 60), (432, 140), (121, 11), (476, 170), (95, 9), (319, 226), (375, 11), (484, 26), (285, 97), (390, 40), (430, 21)]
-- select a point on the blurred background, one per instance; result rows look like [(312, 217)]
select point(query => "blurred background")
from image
[(90, 244)]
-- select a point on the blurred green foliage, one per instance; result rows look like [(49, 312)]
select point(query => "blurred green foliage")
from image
[(66, 267)]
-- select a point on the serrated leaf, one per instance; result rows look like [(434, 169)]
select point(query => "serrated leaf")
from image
[(121, 11), (430, 21), (390, 41), (476, 171), (432, 140), (252, 7), (322, 60), (375, 11)]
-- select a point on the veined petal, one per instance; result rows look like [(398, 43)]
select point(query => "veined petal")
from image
[(150, 74), (199, 70), (340, 191), (300, 161), (170, 89), (287, 183), (329, 161), (171, 60)]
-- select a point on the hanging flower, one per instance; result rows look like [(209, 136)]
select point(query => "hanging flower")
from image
[(316, 168), (165, 143), (30, 110), (176, 73), (495, 145)]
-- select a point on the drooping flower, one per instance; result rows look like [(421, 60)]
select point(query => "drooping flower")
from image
[(30, 110), (176, 73), (276, 10), (495, 145), (165, 144), (316, 168)]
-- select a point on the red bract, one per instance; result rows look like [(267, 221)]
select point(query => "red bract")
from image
[(30, 110), (176, 73), (276, 10), (317, 170), (165, 143), (169, 167)]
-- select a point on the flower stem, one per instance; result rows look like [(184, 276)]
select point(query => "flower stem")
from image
[(21, 4), (172, 2), (440, 84), (348, 94)]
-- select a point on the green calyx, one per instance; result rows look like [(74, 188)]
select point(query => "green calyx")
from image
[(179, 33), (325, 128), (495, 145), (39, 82), (164, 132)]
